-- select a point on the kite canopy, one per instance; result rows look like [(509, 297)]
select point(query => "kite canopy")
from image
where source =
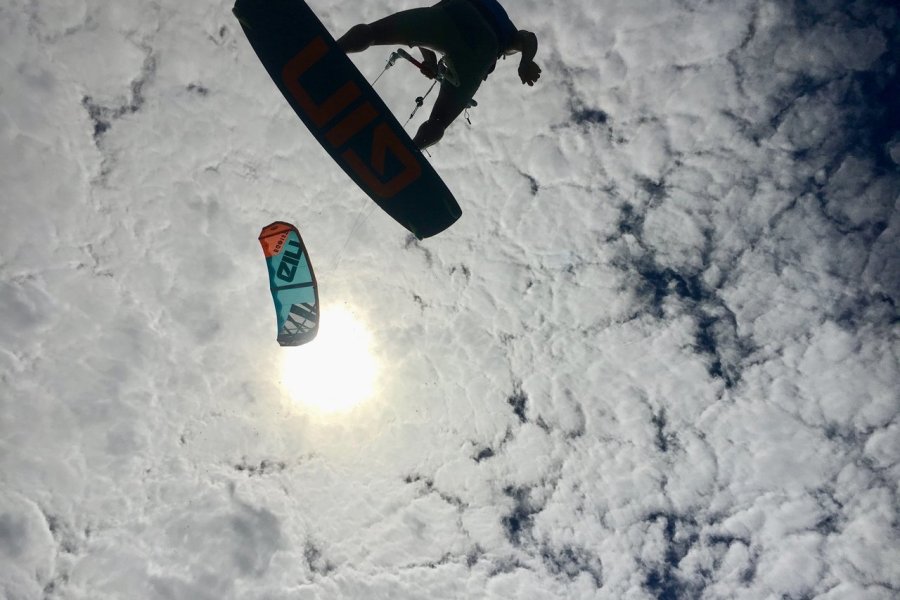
[(292, 282)]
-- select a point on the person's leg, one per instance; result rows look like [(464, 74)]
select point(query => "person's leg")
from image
[(443, 113), (451, 101), (472, 50), (357, 39), (415, 27), (440, 28)]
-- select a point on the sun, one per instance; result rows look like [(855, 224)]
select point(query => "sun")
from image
[(337, 370)]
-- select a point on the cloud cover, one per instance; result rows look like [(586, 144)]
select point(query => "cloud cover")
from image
[(656, 358)]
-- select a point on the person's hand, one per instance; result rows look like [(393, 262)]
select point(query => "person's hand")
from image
[(529, 72), (429, 66), (428, 70)]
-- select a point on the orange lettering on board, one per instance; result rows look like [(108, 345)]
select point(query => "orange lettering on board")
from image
[(338, 101), (351, 124), (385, 140)]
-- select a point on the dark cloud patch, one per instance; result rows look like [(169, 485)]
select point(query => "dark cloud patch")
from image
[(518, 400), (488, 452), (444, 560), (726, 539), (98, 115), (658, 283), (706, 343), (833, 519), (863, 121), (462, 269), (793, 97), (877, 94), (582, 114), (845, 434), (518, 523), (102, 116), (196, 88), (665, 440), (314, 559), (663, 580), (579, 428), (570, 562), (718, 339), (869, 120), (417, 478), (533, 185), (446, 497), (589, 116), (412, 243), (631, 222), (505, 565), (54, 586), (484, 454), (808, 13), (265, 467), (716, 333), (751, 29), (720, 544), (656, 189), (220, 36), (829, 524), (66, 538), (474, 555), (428, 487)]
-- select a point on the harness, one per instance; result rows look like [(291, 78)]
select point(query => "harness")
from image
[(445, 73)]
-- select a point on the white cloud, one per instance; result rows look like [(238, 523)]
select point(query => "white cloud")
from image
[(656, 358)]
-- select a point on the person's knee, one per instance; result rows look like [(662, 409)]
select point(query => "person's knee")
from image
[(357, 39)]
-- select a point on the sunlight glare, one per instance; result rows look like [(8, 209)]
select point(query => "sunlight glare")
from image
[(334, 372)]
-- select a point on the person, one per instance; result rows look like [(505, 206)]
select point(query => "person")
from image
[(471, 34)]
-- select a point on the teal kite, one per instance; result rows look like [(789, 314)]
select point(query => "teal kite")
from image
[(292, 282)]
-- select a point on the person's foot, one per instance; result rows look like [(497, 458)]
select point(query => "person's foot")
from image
[(429, 134)]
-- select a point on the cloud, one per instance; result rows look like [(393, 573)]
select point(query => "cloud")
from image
[(656, 357)]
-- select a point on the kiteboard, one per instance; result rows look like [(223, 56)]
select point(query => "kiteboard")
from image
[(345, 115)]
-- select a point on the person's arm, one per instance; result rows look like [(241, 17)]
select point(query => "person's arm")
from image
[(526, 43)]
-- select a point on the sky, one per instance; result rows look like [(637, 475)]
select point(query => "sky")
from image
[(656, 358)]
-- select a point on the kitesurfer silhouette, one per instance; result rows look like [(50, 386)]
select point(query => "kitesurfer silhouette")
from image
[(471, 34)]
